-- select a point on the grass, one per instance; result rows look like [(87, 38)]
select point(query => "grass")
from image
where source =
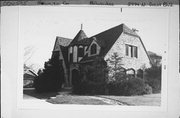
[(143, 100), (60, 98), (73, 99)]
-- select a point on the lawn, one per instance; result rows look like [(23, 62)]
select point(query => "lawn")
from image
[(61, 98), (143, 100), (74, 99)]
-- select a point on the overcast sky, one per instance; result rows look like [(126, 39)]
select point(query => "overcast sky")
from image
[(39, 26)]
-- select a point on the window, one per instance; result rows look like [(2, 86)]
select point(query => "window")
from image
[(80, 51), (93, 49), (70, 54), (71, 57), (127, 50), (135, 52), (131, 51)]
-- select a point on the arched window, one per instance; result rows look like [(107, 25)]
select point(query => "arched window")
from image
[(93, 49), (80, 51)]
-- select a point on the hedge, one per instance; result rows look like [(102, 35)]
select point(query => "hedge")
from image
[(87, 87), (128, 87)]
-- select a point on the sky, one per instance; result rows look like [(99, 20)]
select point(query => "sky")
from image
[(39, 26)]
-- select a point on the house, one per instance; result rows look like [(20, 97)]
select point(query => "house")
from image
[(155, 59), (28, 76), (83, 50)]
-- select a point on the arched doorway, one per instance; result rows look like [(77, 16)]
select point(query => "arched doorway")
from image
[(75, 77)]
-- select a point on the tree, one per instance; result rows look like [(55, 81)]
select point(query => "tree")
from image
[(92, 78), (51, 78), (28, 53), (115, 64)]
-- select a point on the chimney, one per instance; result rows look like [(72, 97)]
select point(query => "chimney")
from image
[(81, 26), (134, 30)]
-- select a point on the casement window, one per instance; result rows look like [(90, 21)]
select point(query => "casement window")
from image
[(80, 51), (131, 51), (93, 49), (71, 57), (70, 54)]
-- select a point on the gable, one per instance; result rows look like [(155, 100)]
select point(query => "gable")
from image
[(79, 37), (107, 39), (97, 48), (56, 46), (135, 62), (61, 41)]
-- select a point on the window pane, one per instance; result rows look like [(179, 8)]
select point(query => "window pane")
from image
[(71, 57), (135, 52), (127, 50), (132, 54), (93, 49), (80, 52)]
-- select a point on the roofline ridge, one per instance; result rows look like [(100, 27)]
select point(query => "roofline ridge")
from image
[(107, 30), (62, 37)]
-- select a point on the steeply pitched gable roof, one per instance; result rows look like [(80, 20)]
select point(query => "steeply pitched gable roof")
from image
[(61, 41), (80, 36), (65, 54), (107, 39), (64, 41), (129, 31)]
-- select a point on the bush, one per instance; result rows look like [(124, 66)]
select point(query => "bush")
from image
[(51, 79), (147, 89), (134, 86), (153, 78), (92, 78), (88, 87), (155, 83)]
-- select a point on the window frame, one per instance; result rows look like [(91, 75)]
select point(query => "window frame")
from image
[(131, 51), (91, 49), (80, 51)]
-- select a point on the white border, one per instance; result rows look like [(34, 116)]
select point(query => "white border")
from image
[(12, 97)]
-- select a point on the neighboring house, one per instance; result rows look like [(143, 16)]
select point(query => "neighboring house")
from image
[(155, 59), (83, 50), (28, 77)]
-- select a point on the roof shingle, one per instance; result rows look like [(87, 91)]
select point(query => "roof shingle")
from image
[(80, 36)]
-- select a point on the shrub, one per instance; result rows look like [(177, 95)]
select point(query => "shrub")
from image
[(155, 83), (147, 89), (116, 88), (88, 87), (133, 86), (140, 73), (92, 78), (51, 78), (153, 78)]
